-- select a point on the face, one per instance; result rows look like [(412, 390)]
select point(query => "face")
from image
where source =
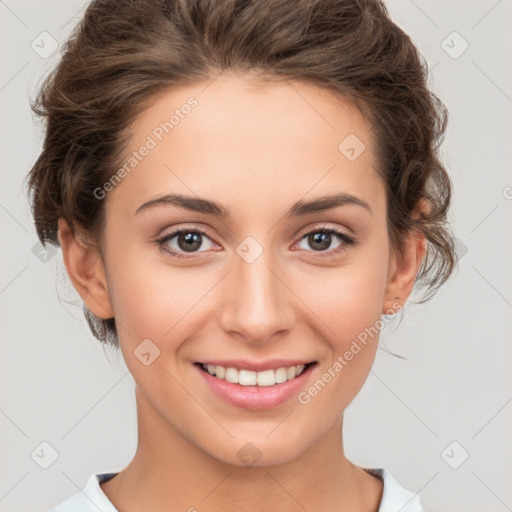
[(259, 282)]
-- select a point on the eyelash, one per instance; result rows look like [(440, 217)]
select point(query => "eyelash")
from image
[(346, 239)]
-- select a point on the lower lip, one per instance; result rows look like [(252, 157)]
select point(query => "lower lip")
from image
[(256, 398)]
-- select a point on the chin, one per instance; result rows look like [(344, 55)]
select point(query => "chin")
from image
[(260, 451)]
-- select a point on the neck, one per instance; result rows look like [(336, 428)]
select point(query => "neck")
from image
[(170, 473)]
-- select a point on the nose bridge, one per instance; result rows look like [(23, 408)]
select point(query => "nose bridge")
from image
[(258, 303)]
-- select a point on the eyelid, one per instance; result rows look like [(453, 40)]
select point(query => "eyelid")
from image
[(323, 227), (187, 227)]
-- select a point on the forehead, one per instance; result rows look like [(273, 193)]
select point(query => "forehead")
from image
[(239, 137)]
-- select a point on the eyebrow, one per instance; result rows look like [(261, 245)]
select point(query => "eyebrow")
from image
[(300, 208)]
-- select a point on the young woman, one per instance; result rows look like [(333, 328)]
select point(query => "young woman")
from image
[(243, 192)]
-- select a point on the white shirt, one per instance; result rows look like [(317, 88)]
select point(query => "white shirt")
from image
[(92, 498)]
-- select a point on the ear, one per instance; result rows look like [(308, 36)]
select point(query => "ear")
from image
[(86, 270), (404, 267)]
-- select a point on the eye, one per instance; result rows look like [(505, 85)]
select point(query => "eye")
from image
[(322, 238), (187, 240)]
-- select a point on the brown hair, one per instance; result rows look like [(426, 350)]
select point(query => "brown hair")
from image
[(124, 52)]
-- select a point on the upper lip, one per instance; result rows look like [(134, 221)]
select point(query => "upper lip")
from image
[(257, 366)]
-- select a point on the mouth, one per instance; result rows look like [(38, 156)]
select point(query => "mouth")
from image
[(264, 378), (255, 387)]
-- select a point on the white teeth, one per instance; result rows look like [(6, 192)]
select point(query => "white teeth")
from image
[(250, 378), (281, 375), (231, 375), (246, 378), (266, 378)]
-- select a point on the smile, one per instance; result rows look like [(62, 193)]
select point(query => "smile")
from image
[(255, 386), (252, 378)]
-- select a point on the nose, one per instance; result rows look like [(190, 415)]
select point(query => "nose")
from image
[(258, 302)]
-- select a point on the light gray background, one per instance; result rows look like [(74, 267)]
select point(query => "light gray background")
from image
[(59, 387)]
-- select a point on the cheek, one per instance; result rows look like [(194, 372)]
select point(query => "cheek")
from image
[(151, 299), (151, 303), (161, 304), (347, 302), (347, 299), (350, 310)]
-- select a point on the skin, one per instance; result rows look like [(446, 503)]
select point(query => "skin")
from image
[(256, 149)]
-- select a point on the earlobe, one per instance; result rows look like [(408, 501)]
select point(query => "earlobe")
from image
[(86, 271)]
